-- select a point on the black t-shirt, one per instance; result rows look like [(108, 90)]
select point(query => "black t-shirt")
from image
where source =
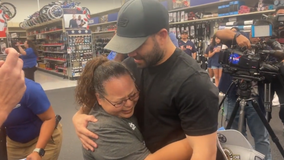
[(176, 98)]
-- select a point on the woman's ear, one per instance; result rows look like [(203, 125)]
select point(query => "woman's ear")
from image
[(99, 99)]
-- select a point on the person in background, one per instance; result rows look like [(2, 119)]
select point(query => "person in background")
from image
[(113, 106), (31, 127), (214, 53), (29, 56), (12, 83), (186, 45), (80, 22), (73, 22), (210, 71)]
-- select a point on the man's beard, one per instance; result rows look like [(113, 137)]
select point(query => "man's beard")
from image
[(152, 57)]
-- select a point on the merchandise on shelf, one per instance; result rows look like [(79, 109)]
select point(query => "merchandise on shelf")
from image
[(99, 45), (80, 51), (180, 3)]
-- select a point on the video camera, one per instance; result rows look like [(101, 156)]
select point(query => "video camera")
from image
[(263, 60)]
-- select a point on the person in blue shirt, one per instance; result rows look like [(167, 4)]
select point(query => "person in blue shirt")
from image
[(186, 45), (174, 39), (214, 54), (31, 127), (29, 56), (111, 55)]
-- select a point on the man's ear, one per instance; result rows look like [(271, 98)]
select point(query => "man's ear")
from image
[(162, 36)]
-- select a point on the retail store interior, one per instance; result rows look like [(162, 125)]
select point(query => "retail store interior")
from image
[(69, 33)]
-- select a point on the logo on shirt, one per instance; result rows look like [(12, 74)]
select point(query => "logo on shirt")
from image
[(132, 126), (17, 106)]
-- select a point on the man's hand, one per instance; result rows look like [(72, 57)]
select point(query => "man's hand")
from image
[(34, 156), (80, 122), (243, 41), (12, 83)]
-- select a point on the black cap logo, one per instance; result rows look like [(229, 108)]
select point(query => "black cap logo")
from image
[(122, 22)]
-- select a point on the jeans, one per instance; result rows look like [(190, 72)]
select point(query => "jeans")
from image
[(257, 129)]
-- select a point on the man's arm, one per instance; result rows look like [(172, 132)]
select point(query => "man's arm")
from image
[(80, 121), (204, 147), (227, 35), (12, 83), (197, 102)]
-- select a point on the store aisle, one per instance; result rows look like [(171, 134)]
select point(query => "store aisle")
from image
[(50, 82)]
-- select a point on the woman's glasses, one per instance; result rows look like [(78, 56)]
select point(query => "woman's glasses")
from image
[(122, 103)]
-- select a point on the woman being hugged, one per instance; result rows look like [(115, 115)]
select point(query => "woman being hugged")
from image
[(107, 90), (29, 57)]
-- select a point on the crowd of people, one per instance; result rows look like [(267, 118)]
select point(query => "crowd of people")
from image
[(151, 101)]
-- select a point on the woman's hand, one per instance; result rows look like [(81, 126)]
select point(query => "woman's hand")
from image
[(34, 156), (18, 44), (80, 122)]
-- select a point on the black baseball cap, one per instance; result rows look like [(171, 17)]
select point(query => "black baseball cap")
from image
[(184, 32), (137, 20)]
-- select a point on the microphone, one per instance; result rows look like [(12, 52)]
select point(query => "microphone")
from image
[(274, 44), (279, 54)]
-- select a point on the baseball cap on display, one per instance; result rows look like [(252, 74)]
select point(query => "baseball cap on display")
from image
[(137, 20), (235, 146)]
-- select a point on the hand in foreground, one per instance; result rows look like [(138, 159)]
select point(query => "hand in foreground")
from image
[(80, 122), (243, 41), (12, 81), (34, 156)]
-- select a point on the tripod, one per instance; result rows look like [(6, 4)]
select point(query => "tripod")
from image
[(244, 92)]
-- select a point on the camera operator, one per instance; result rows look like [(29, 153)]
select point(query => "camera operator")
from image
[(276, 85), (257, 129)]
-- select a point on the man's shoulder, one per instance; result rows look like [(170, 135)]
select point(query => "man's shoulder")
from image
[(186, 64)]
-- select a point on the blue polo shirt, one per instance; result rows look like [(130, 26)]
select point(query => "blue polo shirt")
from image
[(190, 47), (174, 39), (30, 60), (111, 55), (23, 124)]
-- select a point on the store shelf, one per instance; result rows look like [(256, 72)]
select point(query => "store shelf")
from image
[(62, 68), (100, 24), (52, 45), (215, 18), (45, 24), (207, 5), (57, 52), (49, 32), (105, 12), (103, 32), (52, 72), (56, 60)]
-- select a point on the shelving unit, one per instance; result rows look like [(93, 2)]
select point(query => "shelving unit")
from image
[(103, 28), (61, 52)]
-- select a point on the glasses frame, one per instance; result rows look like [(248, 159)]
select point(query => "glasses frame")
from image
[(114, 105)]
